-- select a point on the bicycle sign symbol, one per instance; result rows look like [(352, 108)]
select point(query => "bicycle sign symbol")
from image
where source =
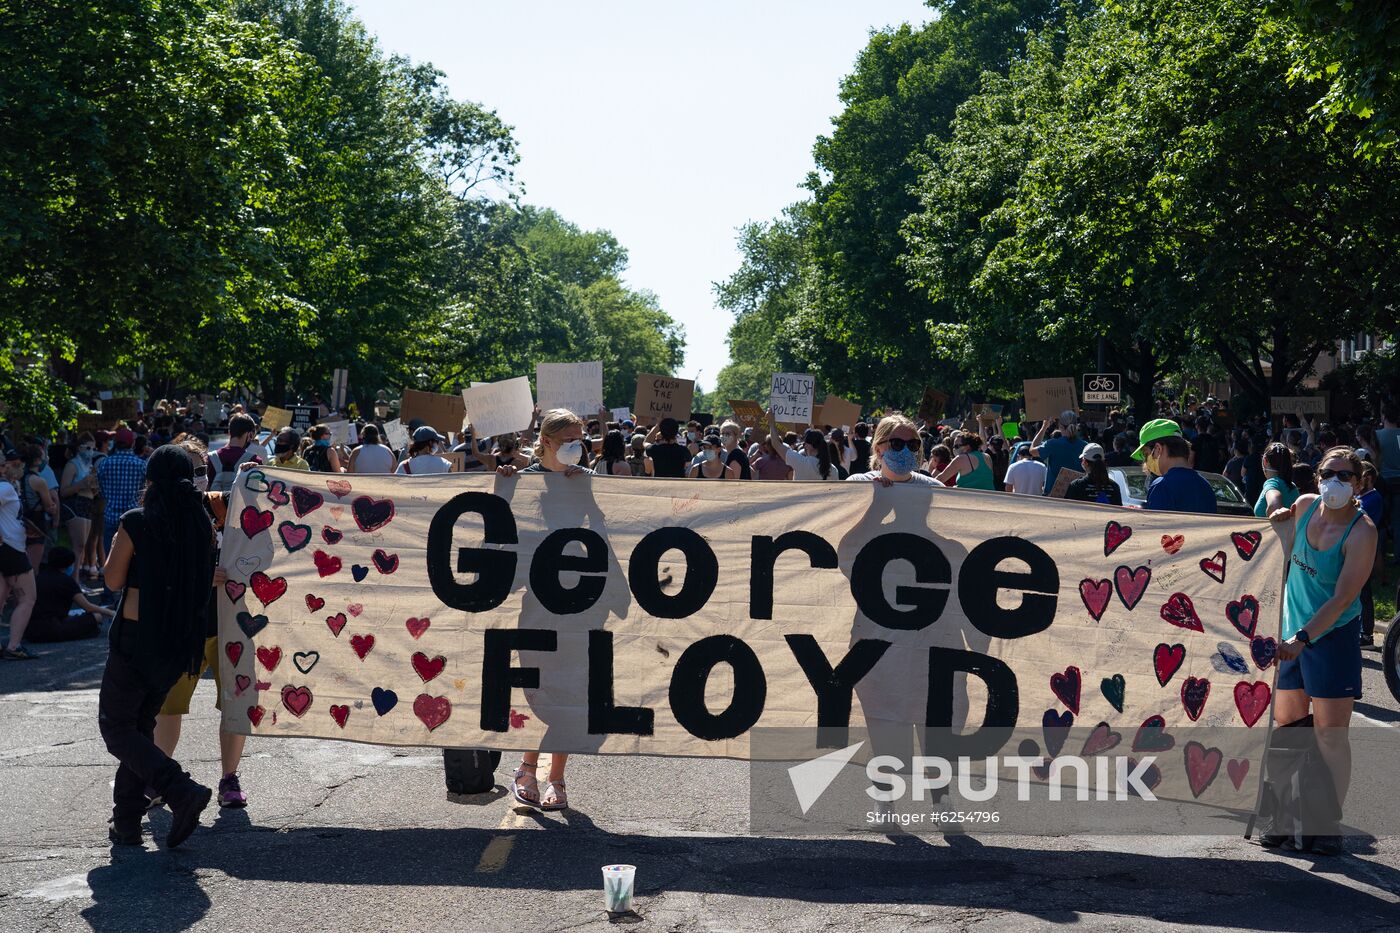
[(1102, 388), (1102, 384)]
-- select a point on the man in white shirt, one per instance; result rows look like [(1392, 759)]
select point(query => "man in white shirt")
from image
[(1027, 475)]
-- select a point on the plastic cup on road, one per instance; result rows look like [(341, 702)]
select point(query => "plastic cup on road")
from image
[(617, 887)]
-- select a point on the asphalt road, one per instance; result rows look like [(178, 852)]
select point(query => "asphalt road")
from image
[(351, 837)]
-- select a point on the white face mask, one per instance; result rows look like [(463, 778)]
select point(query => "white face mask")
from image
[(570, 452), (709, 455), (1335, 493)]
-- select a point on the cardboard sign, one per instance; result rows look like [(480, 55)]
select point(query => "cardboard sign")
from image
[(499, 407), (932, 405), (122, 409), (985, 412), (621, 414), (444, 412), (458, 459), (340, 432), (474, 627), (840, 413), (92, 422), (748, 414), (275, 419), (577, 387), (396, 435), (303, 416), (1049, 398), (791, 397), (663, 397), (1307, 405), (1062, 481)]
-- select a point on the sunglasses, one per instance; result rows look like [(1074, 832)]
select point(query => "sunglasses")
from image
[(899, 443), (1345, 476), (200, 471)]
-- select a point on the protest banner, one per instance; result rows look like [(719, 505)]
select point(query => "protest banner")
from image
[(478, 611), (577, 387), (1049, 398), (663, 397), (791, 397), (840, 413), (122, 409), (499, 407), (396, 435), (303, 416), (932, 405), (275, 419), (748, 414), (444, 412), (1304, 405)]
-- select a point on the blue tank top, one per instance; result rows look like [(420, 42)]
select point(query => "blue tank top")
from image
[(1312, 578)]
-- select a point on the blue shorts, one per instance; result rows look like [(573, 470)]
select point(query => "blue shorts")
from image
[(1330, 669)]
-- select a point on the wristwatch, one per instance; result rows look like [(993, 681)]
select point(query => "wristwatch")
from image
[(1304, 637)]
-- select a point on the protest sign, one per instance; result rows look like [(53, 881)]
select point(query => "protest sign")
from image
[(577, 387), (663, 397), (840, 413), (94, 421), (122, 409), (1010, 430), (303, 416), (748, 414), (396, 435), (982, 411), (213, 412), (340, 431), (702, 418), (932, 405), (1305, 405), (477, 611), (791, 396), (1049, 398), (499, 407), (275, 419), (444, 412), (621, 414), (1062, 481), (458, 459)]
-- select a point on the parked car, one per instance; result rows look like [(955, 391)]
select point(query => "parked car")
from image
[(1132, 485)]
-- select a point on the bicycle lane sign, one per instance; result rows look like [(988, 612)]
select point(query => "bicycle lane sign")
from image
[(1102, 388)]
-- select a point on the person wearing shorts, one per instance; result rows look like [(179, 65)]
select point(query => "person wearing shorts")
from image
[(16, 572)]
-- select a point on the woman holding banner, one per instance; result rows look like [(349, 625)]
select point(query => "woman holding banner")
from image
[(894, 451)]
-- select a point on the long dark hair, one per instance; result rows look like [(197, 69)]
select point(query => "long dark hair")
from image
[(613, 448), (176, 561), (1279, 458), (1097, 471), (814, 439)]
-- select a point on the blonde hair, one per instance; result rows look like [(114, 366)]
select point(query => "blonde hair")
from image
[(887, 426), (1346, 453), (556, 420), (731, 426)]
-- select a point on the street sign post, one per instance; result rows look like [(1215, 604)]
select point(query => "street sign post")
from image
[(1102, 388)]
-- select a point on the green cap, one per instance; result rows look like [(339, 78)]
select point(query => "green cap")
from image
[(1155, 430)]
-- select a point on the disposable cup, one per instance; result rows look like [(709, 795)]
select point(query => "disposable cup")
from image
[(617, 887)]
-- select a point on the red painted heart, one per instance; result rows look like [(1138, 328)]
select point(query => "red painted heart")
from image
[(370, 513), (234, 590), (294, 536), (1245, 542), (427, 668), (1172, 543), (385, 562), (355, 609), (254, 522), (296, 699), (1131, 584), (1194, 693), (362, 644), (240, 683), (1181, 612), (433, 711), (1100, 740), (1167, 660), (331, 535), (314, 603), (1252, 700), (1237, 768), (269, 657), (267, 589), (340, 714), (1066, 687), (517, 720), (1202, 765), (416, 627), (305, 501), (277, 492), (234, 650), (1243, 614), (335, 623), (340, 487), (255, 715), (325, 563), (1214, 567), (1096, 594), (1114, 534)]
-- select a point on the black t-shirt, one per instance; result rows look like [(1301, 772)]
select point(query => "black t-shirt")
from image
[(669, 459), (1207, 453), (1086, 490), (861, 463), (54, 592), (738, 456)]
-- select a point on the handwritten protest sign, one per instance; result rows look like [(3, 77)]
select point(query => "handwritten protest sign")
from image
[(1062, 481), (621, 414), (457, 459), (444, 412), (122, 409), (748, 414), (396, 435), (340, 431), (663, 397), (1307, 405), (1049, 398), (791, 397), (577, 387), (478, 611), (303, 416), (499, 407), (275, 419)]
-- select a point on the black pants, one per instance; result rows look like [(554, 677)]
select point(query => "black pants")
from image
[(126, 717)]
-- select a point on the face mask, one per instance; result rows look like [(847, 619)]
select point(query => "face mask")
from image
[(898, 462), (1149, 463), (570, 452), (324, 442), (709, 455), (1335, 493)]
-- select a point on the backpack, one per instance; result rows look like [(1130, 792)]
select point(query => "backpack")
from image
[(317, 457), (1298, 799), (222, 481)]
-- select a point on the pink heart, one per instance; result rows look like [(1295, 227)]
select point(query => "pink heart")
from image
[(1202, 764), (416, 627), (240, 683), (1237, 768), (294, 536), (1096, 594), (235, 590), (1252, 700), (355, 609), (1100, 740), (1132, 584), (296, 699)]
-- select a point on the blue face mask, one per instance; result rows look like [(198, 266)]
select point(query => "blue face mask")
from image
[(324, 442), (898, 462)]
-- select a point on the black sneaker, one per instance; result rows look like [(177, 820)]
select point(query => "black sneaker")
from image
[(124, 832), (185, 814)]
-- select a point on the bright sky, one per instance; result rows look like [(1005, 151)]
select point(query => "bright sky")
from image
[(669, 124)]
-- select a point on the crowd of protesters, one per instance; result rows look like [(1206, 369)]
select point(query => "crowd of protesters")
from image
[(142, 508)]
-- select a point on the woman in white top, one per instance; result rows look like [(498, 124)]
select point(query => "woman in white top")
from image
[(813, 461), (894, 451), (371, 456), (422, 454)]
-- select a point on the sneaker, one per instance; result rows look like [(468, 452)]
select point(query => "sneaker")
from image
[(231, 796), (124, 832), (18, 654), (185, 814)]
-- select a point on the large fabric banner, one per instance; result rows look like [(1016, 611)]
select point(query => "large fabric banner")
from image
[(673, 617)]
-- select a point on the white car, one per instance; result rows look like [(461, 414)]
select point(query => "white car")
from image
[(1132, 485)]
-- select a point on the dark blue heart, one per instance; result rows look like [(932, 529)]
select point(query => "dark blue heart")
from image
[(359, 572), (1264, 649), (1056, 726), (251, 624), (383, 700)]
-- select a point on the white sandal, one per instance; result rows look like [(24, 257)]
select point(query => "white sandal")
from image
[(531, 785), (561, 799)]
